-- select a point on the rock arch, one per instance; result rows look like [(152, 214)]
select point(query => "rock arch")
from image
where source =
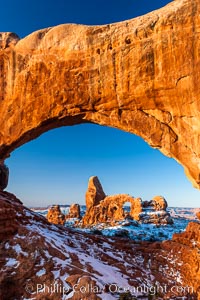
[(141, 76)]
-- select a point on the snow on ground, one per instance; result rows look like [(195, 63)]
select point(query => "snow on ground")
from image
[(12, 262), (41, 272), (137, 231), (90, 260), (54, 238), (147, 232), (99, 259)]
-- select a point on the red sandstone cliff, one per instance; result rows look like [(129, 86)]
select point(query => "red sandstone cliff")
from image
[(140, 75)]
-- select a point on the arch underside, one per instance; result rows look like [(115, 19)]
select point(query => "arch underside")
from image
[(140, 76)]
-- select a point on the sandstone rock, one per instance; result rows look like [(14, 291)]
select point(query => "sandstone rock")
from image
[(198, 215), (155, 217), (94, 192), (121, 75), (187, 244), (55, 215), (136, 209), (111, 208), (153, 211), (108, 210), (8, 224), (4, 174), (8, 39), (159, 203), (37, 252), (9, 216), (74, 212)]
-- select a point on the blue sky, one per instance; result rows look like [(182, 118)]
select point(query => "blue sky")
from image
[(55, 167)]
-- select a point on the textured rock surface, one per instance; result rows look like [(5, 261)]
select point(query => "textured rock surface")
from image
[(41, 253), (188, 246), (159, 203), (74, 212), (141, 76), (94, 193), (198, 215), (110, 209), (9, 220), (55, 215), (4, 174), (137, 208), (8, 39)]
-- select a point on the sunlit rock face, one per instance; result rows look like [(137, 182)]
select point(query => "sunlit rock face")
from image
[(55, 215), (111, 209), (94, 193), (8, 39), (140, 75), (187, 244), (74, 212)]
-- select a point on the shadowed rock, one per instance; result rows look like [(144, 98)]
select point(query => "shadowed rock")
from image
[(4, 174), (39, 252)]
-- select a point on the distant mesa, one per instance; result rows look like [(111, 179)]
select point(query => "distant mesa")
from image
[(110, 209)]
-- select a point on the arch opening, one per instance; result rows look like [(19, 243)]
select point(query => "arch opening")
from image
[(126, 207), (60, 162)]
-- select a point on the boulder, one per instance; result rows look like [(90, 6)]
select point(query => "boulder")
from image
[(159, 203), (74, 212), (55, 215)]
